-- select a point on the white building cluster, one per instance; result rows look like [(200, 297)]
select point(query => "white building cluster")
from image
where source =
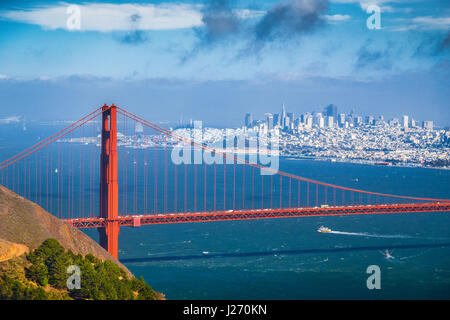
[(350, 137)]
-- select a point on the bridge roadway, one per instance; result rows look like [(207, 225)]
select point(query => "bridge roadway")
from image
[(164, 218)]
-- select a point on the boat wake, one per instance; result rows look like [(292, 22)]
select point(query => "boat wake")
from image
[(371, 235)]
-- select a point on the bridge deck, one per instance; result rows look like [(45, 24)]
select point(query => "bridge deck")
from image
[(164, 218)]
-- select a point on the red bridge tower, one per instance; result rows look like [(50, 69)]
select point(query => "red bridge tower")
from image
[(109, 190)]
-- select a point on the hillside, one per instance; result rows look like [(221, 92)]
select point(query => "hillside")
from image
[(36, 248), (24, 222), (9, 250), (42, 274)]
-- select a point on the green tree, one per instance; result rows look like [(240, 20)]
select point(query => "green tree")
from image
[(49, 248), (57, 268), (100, 280), (38, 273)]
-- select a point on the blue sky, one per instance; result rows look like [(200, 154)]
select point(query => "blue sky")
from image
[(214, 60)]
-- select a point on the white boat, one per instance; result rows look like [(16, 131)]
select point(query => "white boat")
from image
[(388, 255), (324, 229)]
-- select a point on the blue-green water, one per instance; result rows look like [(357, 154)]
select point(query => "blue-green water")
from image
[(288, 258)]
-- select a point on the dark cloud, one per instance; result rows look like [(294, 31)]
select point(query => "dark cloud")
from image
[(288, 19), (433, 45), (219, 22), (284, 21), (368, 57), (135, 17), (445, 44), (135, 37)]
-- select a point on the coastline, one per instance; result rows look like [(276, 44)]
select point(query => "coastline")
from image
[(366, 162)]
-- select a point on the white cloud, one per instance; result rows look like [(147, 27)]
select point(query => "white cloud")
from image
[(106, 17), (249, 14), (433, 22), (423, 23), (12, 119), (364, 4), (112, 17), (336, 17)]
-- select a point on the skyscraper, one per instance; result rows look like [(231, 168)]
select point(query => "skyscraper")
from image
[(283, 116), (341, 119), (248, 120), (317, 118), (308, 122), (330, 122), (290, 115), (357, 121), (405, 121), (304, 117), (331, 111), (287, 122), (276, 119), (428, 125), (369, 120), (269, 119)]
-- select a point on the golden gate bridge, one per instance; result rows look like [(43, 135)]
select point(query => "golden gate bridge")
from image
[(67, 180)]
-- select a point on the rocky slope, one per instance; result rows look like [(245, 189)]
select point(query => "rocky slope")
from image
[(9, 250), (23, 222)]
